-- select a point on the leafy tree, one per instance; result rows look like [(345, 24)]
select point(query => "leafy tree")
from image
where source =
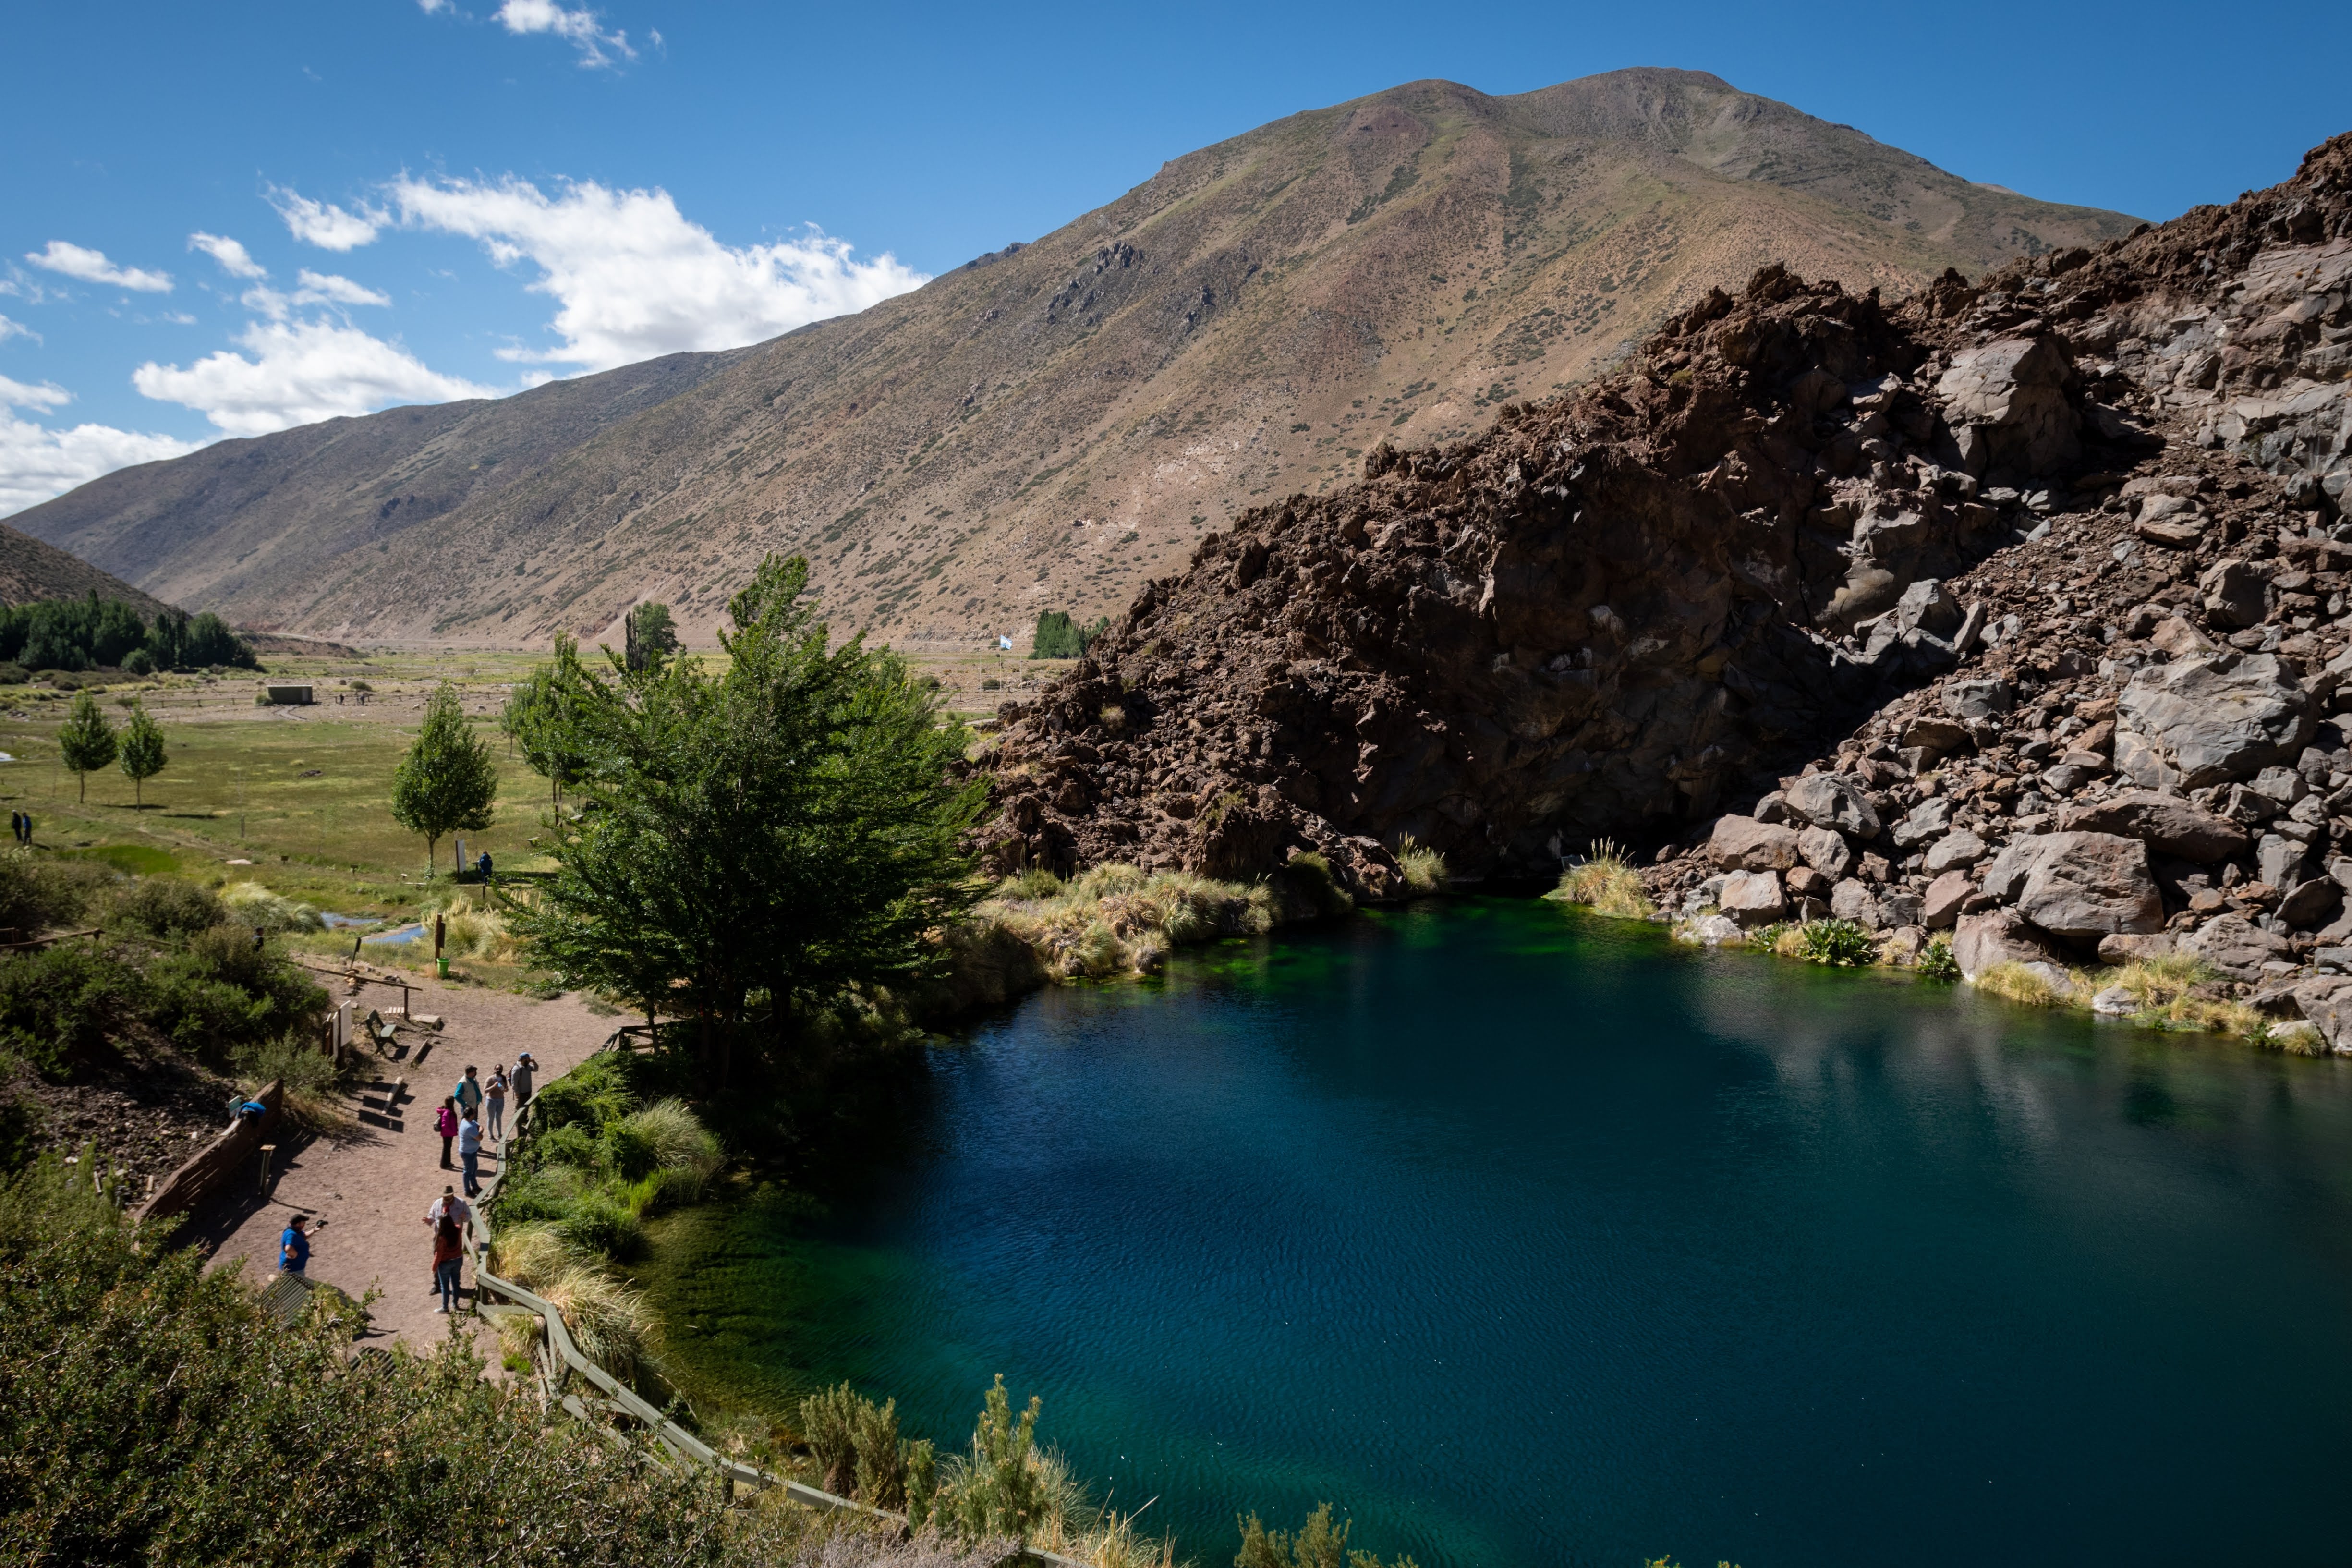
[(142, 751), (75, 634), (1058, 637), (538, 722), (652, 636), (87, 742), (447, 781), (775, 832)]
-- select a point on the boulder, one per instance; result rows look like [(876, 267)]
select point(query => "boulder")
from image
[(2326, 1002), (2079, 887), (1754, 898), (1955, 849), (2013, 392), (2281, 861), (1930, 819), (1714, 930), (1833, 800), (2235, 945), (1744, 843), (2310, 904), (2166, 823), (2210, 719), (2125, 947), (2233, 592), (1941, 736), (1940, 910), (1996, 936), (1826, 851), (1851, 901), (2115, 1002), (1980, 701), (1928, 606)]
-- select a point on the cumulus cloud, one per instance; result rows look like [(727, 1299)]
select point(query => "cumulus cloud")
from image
[(581, 28), (92, 267), (36, 463), (634, 279), (300, 372), (433, 7), (331, 288), (323, 223), (9, 329), (232, 257)]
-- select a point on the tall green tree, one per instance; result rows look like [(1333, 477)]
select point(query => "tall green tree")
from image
[(87, 742), (652, 636), (447, 782), (770, 833), (142, 751), (538, 720)]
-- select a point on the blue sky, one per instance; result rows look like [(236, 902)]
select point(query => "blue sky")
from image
[(222, 220)]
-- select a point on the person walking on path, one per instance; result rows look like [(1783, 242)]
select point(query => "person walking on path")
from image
[(456, 1208), (525, 1071), (469, 1092), (469, 1153), (294, 1246), (448, 1259), (494, 1096), (444, 1122)]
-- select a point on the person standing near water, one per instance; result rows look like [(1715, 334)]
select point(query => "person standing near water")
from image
[(469, 1092), (469, 1153), (494, 1096), (444, 1122), (448, 1259), (525, 1071)]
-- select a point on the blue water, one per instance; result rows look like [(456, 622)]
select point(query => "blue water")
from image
[(1528, 1239)]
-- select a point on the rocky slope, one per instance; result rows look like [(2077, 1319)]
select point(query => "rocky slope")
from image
[(31, 571), (2024, 609), (1053, 424)]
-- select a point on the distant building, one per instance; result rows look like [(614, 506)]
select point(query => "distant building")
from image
[(288, 696)]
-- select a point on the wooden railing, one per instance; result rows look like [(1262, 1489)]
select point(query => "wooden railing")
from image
[(205, 1171), (616, 1397)]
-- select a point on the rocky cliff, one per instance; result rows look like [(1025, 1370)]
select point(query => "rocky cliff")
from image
[(2021, 608)]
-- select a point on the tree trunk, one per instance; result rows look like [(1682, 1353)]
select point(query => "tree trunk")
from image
[(82, 781)]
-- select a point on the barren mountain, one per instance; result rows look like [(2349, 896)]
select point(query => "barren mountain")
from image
[(31, 571), (1048, 426)]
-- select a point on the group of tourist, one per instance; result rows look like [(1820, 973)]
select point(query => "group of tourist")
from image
[(463, 1114)]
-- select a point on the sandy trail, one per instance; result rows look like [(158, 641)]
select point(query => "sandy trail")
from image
[(373, 1182)]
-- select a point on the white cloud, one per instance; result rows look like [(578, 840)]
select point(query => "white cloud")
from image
[(92, 267), (233, 256), (333, 288), (323, 223), (37, 463), (431, 7), (578, 28), (634, 279), (46, 397), (9, 329), (301, 372)]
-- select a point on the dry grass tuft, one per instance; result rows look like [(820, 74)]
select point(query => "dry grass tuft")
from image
[(1120, 920), (254, 904), (1423, 867), (609, 1321), (1607, 883), (2021, 983)]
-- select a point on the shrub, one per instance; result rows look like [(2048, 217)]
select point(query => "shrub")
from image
[(677, 1137), (1937, 963), (600, 1225), (2026, 985), (58, 1003), (166, 907), (1608, 883), (255, 905), (309, 1075), (40, 894), (1036, 882), (139, 662), (1312, 873), (1319, 1544), (220, 993), (995, 1490), (857, 1449), (1841, 944), (1423, 867), (609, 1321)]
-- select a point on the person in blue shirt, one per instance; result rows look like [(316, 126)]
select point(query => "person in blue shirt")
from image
[(294, 1246)]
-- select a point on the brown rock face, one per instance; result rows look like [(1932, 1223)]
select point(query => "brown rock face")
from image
[(1799, 552), (2165, 823)]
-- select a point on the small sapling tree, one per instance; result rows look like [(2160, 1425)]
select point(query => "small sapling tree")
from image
[(87, 742), (447, 782), (142, 751)]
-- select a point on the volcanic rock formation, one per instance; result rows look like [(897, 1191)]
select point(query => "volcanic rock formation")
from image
[(2022, 605)]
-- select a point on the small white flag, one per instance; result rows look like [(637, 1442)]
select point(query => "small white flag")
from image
[(1003, 644)]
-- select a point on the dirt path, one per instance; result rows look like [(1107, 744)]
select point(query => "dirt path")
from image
[(373, 1184)]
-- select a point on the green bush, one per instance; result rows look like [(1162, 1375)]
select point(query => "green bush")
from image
[(1319, 1544), (220, 993), (1937, 963), (1312, 874), (1842, 945), (58, 1003), (40, 894), (165, 908), (1058, 637), (627, 1151), (149, 1413), (599, 1224)]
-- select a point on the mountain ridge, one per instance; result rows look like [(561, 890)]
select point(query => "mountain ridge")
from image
[(1049, 425)]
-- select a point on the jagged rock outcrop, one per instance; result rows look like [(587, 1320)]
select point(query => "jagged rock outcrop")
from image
[(2024, 609)]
